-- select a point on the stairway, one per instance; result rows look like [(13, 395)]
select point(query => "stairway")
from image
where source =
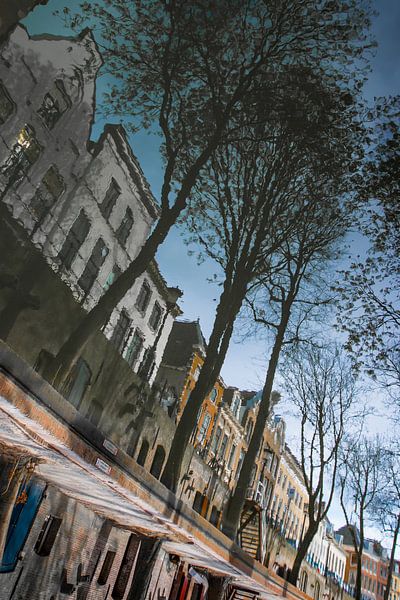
[(249, 532)]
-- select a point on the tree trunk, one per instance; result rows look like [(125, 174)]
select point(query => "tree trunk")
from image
[(392, 558), (11, 475), (21, 297), (302, 552), (358, 547), (357, 590), (233, 510), (218, 585), (217, 348)]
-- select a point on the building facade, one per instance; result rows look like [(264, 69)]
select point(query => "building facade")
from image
[(85, 205)]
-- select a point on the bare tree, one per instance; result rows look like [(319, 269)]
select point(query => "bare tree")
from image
[(322, 388), (370, 311), (283, 301), (189, 70), (254, 196), (360, 479), (386, 506)]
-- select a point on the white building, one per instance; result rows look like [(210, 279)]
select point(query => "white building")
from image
[(86, 205), (323, 572)]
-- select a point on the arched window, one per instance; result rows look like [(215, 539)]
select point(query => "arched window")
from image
[(304, 581), (317, 590), (158, 461), (144, 449)]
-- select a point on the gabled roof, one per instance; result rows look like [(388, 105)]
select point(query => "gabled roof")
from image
[(345, 531), (184, 339)]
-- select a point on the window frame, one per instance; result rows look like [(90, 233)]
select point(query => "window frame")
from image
[(44, 198), (19, 160), (109, 201), (75, 243), (125, 227), (137, 334), (47, 535), (155, 327), (92, 268), (139, 304), (126, 332), (49, 119)]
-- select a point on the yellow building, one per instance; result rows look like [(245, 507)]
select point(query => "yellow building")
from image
[(288, 508), (180, 368)]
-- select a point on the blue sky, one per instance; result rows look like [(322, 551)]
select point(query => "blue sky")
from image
[(244, 364)]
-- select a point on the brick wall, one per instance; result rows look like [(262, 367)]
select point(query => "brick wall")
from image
[(78, 554)]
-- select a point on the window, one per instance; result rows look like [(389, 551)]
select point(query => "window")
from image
[(6, 104), (204, 428), (54, 104), (304, 581), (50, 189), (80, 383), (215, 516), (253, 474), (23, 154), (231, 456), (93, 265), (113, 276), (47, 535), (121, 331), (158, 461), (223, 446), (198, 502), (216, 439), (155, 318), (213, 394), (135, 348), (125, 227), (110, 199), (143, 298), (249, 431), (106, 567), (74, 240), (235, 404), (124, 572), (141, 458)]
